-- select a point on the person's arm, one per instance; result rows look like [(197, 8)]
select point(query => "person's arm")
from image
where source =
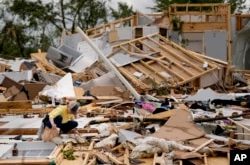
[(53, 114)]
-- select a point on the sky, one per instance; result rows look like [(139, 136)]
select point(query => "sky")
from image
[(143, 5), (138, 5)]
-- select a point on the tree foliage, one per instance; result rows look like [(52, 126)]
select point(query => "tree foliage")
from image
[(123, 11), (35, 24), (236, 5)]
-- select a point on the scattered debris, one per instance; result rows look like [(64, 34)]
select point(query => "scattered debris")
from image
[(144, 99)]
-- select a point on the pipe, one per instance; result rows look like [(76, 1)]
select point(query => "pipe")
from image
[(109, 64)]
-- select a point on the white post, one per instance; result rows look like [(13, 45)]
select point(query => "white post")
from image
[(109, 64)]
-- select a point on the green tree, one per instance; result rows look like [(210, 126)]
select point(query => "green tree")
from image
[(123, 11), (236, 5), (36, 24)]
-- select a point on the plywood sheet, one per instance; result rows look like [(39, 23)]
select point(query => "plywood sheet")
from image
[(179, 127)]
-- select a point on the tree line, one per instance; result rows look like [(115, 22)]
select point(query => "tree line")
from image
[(28, 25)]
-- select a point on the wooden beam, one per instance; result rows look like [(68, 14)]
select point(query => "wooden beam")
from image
[(144, 56), (137, 67), (192, 55), (25, 111), (33, 131), (23, 161), (176, 64), (197, 76), (135, 81), (134, 40), (178, 57), (15, 105), (172, 72), (203, 145), (154, 71)]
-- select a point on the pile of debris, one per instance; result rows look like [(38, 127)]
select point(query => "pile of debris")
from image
[(134, 86)]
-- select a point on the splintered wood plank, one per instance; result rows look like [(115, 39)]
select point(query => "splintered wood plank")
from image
[(25, 161), (16, 105), (33, 131), (41, 58), (25, 111)]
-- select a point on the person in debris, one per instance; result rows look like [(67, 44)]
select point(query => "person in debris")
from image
[(63, 117)]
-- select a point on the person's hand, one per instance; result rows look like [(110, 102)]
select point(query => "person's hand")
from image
[(53, 126), (76, 132)]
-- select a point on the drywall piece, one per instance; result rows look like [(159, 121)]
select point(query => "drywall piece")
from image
[(84, 61), (194, 41), (72, 40), (84, 121), (138, 74), (241, 48), (208, 94), (13, 122), (31, 149), (215, 43), (144, 19), (108, 79), (179, 127), (89, 56), (20, 122), (15, 65), (19, 76), (125, 33), (125, 135), (4, 149), (210, 78), (147, 30), (63, 56), (122, 59), (63, 88)]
